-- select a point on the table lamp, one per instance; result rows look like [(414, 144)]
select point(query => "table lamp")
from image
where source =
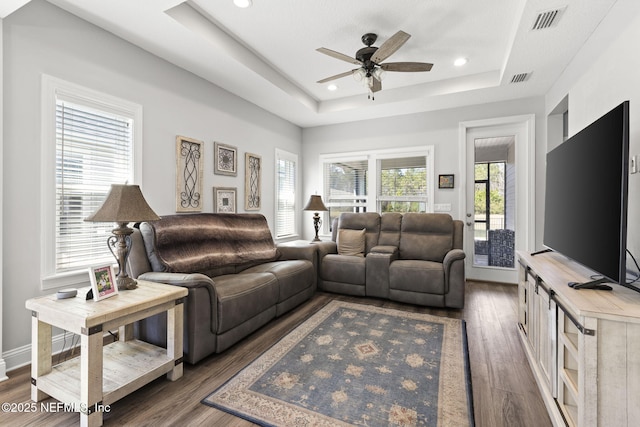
[(315, 204), (124, 204)]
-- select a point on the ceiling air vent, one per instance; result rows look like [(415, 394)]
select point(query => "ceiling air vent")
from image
[(519, 78), (547, 18)]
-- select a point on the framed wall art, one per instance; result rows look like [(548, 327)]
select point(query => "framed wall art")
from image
[(252, 181), (103, 283), (445, 181), (225, 159), (224, 199), (189, 173)]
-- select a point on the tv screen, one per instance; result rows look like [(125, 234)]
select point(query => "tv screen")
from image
[(586, 196)]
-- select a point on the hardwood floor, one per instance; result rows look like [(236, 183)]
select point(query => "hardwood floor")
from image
[(504, 390)]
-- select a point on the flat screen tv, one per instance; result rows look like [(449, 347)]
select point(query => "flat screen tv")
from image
[(586, 196)]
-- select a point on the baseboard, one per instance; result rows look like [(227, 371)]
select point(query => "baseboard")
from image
[(3, 371)]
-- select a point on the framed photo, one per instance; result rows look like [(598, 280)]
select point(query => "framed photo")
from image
[(226, 159), (103, 282), (189, 174), (252, 181), (224, 199), (445, 181)]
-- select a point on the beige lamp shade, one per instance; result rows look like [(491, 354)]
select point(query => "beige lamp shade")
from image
[(315, 204), (124, 203)]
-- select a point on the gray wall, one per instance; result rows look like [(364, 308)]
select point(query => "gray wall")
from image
[(41, 38)]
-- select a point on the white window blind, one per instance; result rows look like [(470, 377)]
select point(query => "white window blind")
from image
[(94, 149), (402, 184), (345, 186), (286, 177)]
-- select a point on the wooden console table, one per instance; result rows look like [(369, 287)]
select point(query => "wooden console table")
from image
[(102, 375), (583, 345)]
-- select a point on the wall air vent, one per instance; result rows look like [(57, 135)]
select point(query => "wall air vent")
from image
[(519, 78), (547, 19)]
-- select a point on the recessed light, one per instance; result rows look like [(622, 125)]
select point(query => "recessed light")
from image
[(460, 62), (243, 3), (332, 87)]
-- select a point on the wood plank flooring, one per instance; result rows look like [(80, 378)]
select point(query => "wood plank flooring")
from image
[(504, 390)]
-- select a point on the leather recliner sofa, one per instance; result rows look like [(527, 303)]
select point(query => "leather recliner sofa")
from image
[(414, 258), (238, 280)]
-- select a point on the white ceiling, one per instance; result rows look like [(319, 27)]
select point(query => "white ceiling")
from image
[(267, 55)]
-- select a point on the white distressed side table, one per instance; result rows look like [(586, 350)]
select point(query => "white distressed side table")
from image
[(104, 374)]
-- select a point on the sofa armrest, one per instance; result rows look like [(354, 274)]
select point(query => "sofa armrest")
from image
[(382, 249), (377, 262), (289, 251), (192, 281), (326, 248), (454, 278), (451, 256)]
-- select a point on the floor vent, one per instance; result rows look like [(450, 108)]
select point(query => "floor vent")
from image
[(547, 19), (519, 78)]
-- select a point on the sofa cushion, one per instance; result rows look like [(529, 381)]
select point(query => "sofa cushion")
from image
[(417, 276), (390, 223), (205, 242), (344, 269), (351, 242), (294, 276), (244, 296), (426, 236)]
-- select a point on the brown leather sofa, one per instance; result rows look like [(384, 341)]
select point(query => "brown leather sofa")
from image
[(238, 280), (414, 258)]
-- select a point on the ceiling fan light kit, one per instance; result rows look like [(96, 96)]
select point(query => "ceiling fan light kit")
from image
[(370, 59), (243, 3), (460, 62)]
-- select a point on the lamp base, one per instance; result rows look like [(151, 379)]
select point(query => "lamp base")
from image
[(126, 283)]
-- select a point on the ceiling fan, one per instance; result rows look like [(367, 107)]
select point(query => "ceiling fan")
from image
[(370, 60)]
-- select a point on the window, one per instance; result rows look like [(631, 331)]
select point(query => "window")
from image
[(400, 180), (286, 186), (403, 184), (88, 144), (345, 186)]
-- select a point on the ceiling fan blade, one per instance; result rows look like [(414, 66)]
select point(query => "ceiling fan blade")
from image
[(406, 66), (377, 85), (339, 55), (337, 76), (389, 47)]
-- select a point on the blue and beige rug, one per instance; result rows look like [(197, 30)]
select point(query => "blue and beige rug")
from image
[(354, 364)]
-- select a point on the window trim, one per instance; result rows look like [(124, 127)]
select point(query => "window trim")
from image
[(373, 187), (287, 155), (53, 88)]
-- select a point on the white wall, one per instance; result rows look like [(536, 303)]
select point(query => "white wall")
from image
[(40, 38), (603, 75), (438, 128)]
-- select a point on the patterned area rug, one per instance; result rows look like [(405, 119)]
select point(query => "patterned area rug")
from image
[(354, 364)]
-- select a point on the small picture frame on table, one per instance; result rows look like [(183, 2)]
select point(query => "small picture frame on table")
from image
[(445, 181), (103, 283)]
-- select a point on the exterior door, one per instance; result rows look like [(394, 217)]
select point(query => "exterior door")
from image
[(496, 201)]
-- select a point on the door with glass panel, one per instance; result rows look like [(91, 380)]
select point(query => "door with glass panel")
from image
[(491, 203)]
